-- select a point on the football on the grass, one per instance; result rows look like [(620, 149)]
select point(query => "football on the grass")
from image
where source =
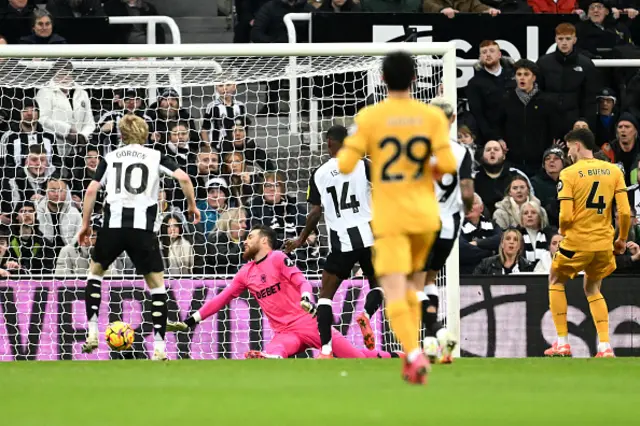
[(119, 336)]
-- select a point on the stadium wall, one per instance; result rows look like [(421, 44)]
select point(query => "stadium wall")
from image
[(501, 317)]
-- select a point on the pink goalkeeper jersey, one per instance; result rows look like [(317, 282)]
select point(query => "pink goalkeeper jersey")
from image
[(276, 283)]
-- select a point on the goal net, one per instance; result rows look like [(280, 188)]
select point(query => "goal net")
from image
[(246, 123)]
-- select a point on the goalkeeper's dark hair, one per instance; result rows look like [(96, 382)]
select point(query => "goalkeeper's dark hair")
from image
[(266, 231), (584, 136), (337, 133), (399, 70)]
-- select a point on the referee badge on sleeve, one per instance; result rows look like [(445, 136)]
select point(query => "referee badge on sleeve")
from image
[(559, 185), (288, 262)]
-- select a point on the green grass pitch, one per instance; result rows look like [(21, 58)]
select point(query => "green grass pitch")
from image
[(311, 392)]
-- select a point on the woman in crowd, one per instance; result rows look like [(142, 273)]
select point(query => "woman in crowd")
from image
[(176, 250), (507, 213), (544, 264), (224, 245), (241, 177), (535, 231), (509, 259)]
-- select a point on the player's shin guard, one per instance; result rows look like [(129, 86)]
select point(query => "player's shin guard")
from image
[(373, 301), (600, 315), (403, 324), (92, 299), (159, 316), (325, 321), (558, 307)]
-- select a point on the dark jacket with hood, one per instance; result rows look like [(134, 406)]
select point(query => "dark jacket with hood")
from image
[(493, 266), (269, 26), (492, 190), (572, 83), (486, 92)]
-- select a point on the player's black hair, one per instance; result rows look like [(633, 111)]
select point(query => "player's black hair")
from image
[(268, 232), (337, 133), (398, 70), (584, 136)]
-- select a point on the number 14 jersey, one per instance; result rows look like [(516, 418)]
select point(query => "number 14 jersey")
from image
[(345, 199), (591, 185), (130, 175)]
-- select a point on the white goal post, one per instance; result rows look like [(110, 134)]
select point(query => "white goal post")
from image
[(187, 67)]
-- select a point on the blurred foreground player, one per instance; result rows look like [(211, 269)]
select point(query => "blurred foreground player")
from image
[(347, 211), (279, 287), (400, 134), (131, 177), (586, 191)]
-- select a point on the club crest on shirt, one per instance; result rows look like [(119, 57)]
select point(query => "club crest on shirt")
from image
[(559, 185), (288, 262), (263, 278)]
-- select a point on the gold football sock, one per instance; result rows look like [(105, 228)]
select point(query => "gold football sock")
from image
[(600, 315), (403, 324), (558, 306), (415, 306)]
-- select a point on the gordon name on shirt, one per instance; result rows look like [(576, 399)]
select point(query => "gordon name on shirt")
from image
[(131, 153)]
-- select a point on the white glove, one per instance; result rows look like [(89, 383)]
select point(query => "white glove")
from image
[(307, 304)]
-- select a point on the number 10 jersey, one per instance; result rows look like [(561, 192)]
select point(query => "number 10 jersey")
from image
[(130, 175), (346, 203)]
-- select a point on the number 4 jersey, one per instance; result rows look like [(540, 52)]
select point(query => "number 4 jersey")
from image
[(131, 178), (345, 199), (591, 185), (449, 194)]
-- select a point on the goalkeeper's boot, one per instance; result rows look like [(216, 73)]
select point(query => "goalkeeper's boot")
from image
[(159, 355), (448, 345), (416, 372), (177, 326), (367, 332), (254, 355), (431, 348), (90, 345), (607, 353), (557, 350)]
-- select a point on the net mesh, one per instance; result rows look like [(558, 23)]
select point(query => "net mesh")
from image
[(248, 130)]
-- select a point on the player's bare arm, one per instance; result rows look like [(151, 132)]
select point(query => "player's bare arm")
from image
[(468, 193), (313, 218), (187, 188), (87, 210)]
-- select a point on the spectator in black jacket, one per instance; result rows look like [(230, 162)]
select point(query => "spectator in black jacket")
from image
[(167, 111), (276, 209), (605, 130), (83, 176), (246, 11), (42, 30), (570, 79), (240, 142), (529, 120), (33, 252), (224, 244), (17, 9), (629, 262), (509, 259), (601, 32), (136, 33), (494, 76), (626, 147), (479, 237), (206, 167), (269, 27), (546, 181), (75, 8), (494, 176)]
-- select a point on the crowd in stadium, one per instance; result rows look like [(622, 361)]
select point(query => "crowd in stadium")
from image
[(52, 138)]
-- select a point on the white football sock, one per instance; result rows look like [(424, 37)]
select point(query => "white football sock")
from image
[(413, 355), (603, 346), (564, 340)]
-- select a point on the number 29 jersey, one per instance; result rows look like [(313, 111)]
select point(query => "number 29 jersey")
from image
[(591, 185), (130, 175), (345, 200), (400, 136)]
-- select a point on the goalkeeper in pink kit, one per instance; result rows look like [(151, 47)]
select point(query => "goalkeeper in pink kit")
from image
[(281, 290)]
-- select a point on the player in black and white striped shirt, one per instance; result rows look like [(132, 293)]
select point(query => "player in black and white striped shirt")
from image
[(220, 114), (131, 176), (347, 212)]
